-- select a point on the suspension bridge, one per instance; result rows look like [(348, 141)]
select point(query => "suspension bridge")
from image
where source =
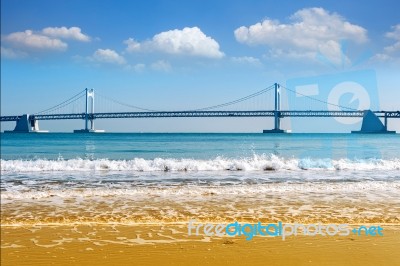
[(264, 103)]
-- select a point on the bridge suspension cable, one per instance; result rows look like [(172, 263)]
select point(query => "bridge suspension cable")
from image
[(64, 103), (318, 100), (125, 104), (253, 95), (236, 101), (74, 100)]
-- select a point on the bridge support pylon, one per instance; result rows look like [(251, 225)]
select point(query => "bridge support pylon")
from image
[(89, 116), (277, 113), (26, 125), (371, 124)]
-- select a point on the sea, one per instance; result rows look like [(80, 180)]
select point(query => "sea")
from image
[(152, 178)]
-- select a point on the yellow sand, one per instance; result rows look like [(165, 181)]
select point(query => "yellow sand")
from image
[(169, 244), (150, 228)]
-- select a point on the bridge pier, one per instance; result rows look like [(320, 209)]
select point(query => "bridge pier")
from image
[(89, 95), (26, 125), (371, 124), (277, 113)]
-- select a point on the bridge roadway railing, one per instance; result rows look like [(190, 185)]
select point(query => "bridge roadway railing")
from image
[(260, 113)]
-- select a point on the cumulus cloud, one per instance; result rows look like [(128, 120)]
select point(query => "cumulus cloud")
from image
[(395, 35), (246, 60), (10, 53), (23, 43), (310, 30), (188, 41), (73, 33), (391, 52), (132, 45), (140, 67), (108, 56), (161, 65), (29, 39)]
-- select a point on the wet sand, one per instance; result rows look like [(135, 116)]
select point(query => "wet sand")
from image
[(169, 244), (149, 225)]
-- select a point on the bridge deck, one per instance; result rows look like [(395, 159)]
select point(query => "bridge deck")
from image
[(270, 113)]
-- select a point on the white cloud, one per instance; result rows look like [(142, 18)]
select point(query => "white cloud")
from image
[(391, 52), (136, 68), (73, 33), (188, 41), (311, 30), (21, 44), (31, 40), (10, 53), (107, 56), (395, 35), (246, 60), (161, 65), (132, 45)]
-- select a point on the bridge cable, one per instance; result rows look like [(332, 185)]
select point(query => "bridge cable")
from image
[(125, 104), (236, 101), (201, 109), (315, 99), (64, 103)]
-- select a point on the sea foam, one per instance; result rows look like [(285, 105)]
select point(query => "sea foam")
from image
[(254, 163)]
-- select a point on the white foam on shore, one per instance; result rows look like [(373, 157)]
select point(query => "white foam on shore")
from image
[(190, 191), (255, 163)]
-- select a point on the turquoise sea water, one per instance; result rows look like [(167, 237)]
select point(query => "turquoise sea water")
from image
[(208, 155), (126, 170), (120, 146)]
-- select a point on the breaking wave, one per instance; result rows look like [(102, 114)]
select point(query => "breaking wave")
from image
[(254, 163)]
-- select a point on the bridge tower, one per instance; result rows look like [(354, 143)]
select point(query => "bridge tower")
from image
[(89, 115), (26, 124), (277, 112), (372, 124)]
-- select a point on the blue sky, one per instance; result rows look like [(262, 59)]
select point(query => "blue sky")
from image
[(168, 55)]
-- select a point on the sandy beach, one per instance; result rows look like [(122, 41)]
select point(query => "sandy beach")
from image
[(139, 211), (149, 226), (169, 244), (200, 132)]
